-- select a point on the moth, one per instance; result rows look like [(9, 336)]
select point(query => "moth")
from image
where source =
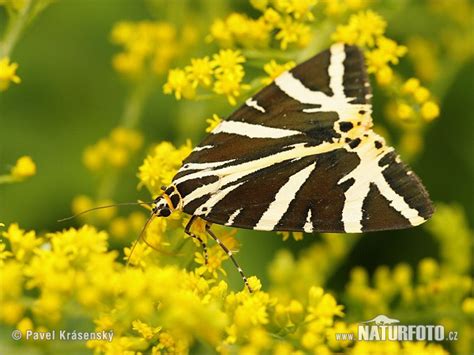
[(300, 155)]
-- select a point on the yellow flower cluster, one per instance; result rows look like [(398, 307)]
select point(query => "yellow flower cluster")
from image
[(424, 55), (224, 72), (148, 46), (290, 277), (285, 20), (155, 307), (338, 8), (161, 165), (273, 69), (114, 151), (213, 122), (410, 109), (8, 73), (82, 203), (366, 29), (24, 168), (421, 96)]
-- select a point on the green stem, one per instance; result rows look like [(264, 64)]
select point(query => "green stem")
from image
[(15, 28), (131, 116), (7, 179), (134, 104)]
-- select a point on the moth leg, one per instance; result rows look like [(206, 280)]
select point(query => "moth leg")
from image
[(187, 230), (231, 256)]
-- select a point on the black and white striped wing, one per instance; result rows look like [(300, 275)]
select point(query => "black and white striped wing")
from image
[(300, 156)]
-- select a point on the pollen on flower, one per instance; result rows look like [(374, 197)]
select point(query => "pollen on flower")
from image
[(8, 73), (23, 168)]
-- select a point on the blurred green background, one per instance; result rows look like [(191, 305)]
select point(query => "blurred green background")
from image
[(70, 97)]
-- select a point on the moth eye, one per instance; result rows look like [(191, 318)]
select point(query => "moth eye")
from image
[(165, 212)]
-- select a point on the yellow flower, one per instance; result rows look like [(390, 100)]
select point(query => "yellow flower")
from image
[(23, 244), (128, 63), (296, 235), (273, 69), (8, 73), (384, 75), (228, 61), (179, 83), (404, 111), (214, 264), (200, 71), (429, 110), (300, 9), (411, 85), (24, 168), (468, 306), (259, 4), (92, 159), (122, 32), (428, 269), (293, 32), (4, 254), (145, 330), (221, 33), (229, 84), (161, 165), (81, 203), (271, 16), (146, 45), (421, 94), (24, 325), (213, 122), (127, 138), (363, 29), (254, 283), (119, 227), (322, 306)]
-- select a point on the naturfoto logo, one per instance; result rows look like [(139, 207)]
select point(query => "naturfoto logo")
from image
[(382, 328)]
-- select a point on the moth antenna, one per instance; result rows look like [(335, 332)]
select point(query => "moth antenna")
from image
[(140, 236), (102, 207)]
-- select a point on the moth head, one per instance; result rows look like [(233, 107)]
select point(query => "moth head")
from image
[(160, 207)]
